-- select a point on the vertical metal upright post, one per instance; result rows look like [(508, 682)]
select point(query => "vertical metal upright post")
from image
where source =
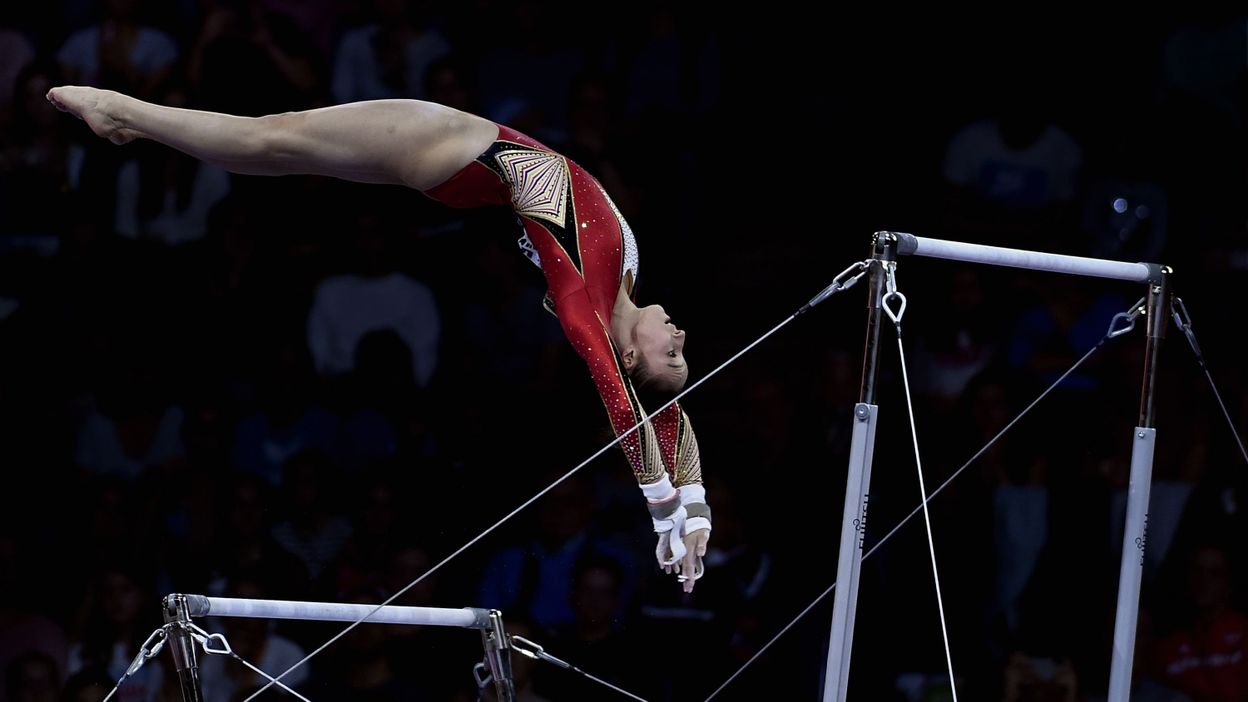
[(1135, 534), (858, 480)]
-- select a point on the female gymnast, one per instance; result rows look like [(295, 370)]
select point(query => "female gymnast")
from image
[(570, 228)]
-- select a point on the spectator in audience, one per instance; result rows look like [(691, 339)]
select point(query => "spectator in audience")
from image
[(447, 82), (676, 70), (23, 629), (166, 197), (255, 641), (33, 677), (596, 640), (314, 530), (534, 579), (1040, 679), (383, 399), (245, 545), (1065, 323), (526, 80), (378, 528), (118, 615), (958, 345), (289, 421), (248, 60), (1206, 657), (511, 339), (38, 162), (119, 52), (135, 427), (374, 296), (361, 668), (1145, 686), (91, 685), (389, 57), (438, 648), (1013, 177), (16, 52)]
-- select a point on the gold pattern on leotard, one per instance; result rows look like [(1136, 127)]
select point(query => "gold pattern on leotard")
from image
[(539, 183)]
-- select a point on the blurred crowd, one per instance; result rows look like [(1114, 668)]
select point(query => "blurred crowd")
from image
[(298, 388)]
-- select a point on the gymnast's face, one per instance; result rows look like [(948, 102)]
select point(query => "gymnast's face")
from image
[(661, 347)]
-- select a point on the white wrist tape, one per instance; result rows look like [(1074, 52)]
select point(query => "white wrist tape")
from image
[(676, 513), (692, 524), (660, 490), (697, 513), (691, 493), (663, 501)]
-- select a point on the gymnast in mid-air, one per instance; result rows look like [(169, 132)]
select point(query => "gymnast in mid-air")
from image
[(569, 227)]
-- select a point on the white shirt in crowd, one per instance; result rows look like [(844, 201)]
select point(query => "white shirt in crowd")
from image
[(1041, 173), (172, 225), (99, 448), (357, 73), (347, 307), (279, 655), (153, 52)]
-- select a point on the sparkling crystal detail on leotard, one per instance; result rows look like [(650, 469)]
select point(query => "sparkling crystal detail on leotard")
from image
[(631, 261)]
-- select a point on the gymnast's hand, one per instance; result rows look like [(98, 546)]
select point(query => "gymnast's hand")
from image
[(695, 549), (686, 568), (683, 522)]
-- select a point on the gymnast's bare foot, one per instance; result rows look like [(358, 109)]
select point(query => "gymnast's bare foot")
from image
[(98, 108)]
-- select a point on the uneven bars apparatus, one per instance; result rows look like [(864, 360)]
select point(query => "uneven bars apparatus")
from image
[(886, 246), (179, 609)]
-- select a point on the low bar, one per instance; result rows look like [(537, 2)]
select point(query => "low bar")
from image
[(465, 618), (911, 245)]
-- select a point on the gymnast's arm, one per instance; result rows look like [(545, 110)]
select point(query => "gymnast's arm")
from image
[(663, 453), (679, 449)]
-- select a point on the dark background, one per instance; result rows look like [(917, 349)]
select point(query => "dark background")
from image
[(166, 424)]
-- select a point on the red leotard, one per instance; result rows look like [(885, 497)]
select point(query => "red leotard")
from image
[(575, 234)]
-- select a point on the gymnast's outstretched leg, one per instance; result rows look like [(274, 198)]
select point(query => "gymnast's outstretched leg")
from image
[(401, 142)]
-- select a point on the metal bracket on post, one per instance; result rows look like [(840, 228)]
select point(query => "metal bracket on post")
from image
[(177, 618), (498, 658)]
